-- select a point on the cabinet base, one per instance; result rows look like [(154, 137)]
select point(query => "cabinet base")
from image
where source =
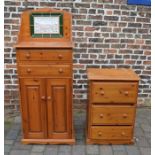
[(101, 141), (70, 141), (48, 141)]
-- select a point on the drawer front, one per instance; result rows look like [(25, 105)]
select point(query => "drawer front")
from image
[(111, 132), (54, 55), (45, 70), (112, 115), (114, 92)]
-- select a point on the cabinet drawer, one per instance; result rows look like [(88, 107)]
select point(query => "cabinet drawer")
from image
[(53, 55), (111, 132), (114, 92), (112, 115), (45, 70)]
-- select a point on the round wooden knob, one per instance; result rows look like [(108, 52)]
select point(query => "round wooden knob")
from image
[(101, 115), (60, 56), (28, 55), (123, 133), (28, 70), (102, 93), (43, 97), (49, 97), (125, 115), (60, 70), (99, 133), (126, 93)]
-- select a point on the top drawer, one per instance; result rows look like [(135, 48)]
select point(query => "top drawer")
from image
[(54, 55), (114, 92)]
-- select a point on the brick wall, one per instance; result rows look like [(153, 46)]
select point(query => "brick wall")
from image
[(106, 33)]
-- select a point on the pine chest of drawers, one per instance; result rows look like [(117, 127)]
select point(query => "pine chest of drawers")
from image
[(112, 95)]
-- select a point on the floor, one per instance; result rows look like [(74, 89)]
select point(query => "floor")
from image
[(142, 144)]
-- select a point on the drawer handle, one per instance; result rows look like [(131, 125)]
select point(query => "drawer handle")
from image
[(60, 70), (49, 97), (126, 93), (28, 55), (125, 115), (28, 70), (101, 115), (43, 97), (123, 133), (99, 133), (60, 56), (102, 93)]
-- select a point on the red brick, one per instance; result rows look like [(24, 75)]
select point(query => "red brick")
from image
[(139, 41), (130, 61), (109, 12), (146, 62)]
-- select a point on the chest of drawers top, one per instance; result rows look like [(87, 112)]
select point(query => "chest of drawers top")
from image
[(112, 74)]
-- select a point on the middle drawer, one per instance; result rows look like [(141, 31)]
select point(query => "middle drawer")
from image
[(112, 115), (45, 70)]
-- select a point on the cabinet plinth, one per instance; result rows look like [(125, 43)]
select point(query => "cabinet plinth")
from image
[(112, 99)]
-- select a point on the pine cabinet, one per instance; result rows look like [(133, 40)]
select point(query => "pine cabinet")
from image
[(112, 99), (44, 66)]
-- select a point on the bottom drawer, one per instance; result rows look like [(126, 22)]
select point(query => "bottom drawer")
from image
[(111, 132)]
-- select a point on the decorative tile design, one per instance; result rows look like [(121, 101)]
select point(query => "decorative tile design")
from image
[(46, 25)]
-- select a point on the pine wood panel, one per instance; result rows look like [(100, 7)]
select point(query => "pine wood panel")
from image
[(114, 92), (112, 115), (45, 55), (33, 107), (45, 70), (59, 108), (119, 74), (109, 132), (25, 39)]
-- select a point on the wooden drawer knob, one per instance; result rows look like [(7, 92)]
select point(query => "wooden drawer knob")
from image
[(125, 115), (60, 56), (126, 93), (101, 115), (123, 133), (99, 133), (60, 70), (28, 55), (28, 70), (43, 97), (49, 97), (102, 93)]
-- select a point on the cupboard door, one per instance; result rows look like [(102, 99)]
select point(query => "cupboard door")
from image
[(33, 108), (59, 97)]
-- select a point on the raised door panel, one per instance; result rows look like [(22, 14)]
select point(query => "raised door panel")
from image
[(59, 108), (33, 108)]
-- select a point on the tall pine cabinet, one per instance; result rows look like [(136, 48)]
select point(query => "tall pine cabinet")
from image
[(44, 66)]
